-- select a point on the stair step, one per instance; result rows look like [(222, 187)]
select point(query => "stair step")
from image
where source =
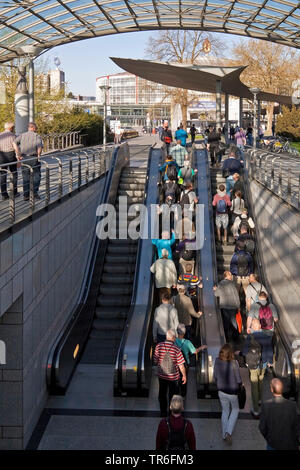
[(115, 249), (130, 192), (120, 258), (108, 324), (133, 185), (130, 201), (115, 290), (111, 312), (110, 301)]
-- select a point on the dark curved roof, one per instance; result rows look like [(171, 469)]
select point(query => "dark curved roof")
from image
[(196, 77), (48, 23)]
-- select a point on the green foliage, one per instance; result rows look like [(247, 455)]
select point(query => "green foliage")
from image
[(288, 123), (75, 120)]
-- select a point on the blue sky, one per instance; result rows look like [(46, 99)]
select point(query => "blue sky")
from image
[(84, 61)]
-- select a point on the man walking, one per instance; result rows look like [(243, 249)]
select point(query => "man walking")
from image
[(229, 304), (9, 153), (165, 272), (31, 146), (165, 317), (279, 422), (170, 362), (179, 153), (193, 133)]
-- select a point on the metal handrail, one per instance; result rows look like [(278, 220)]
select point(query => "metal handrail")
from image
[(288, 173), (60, 175)]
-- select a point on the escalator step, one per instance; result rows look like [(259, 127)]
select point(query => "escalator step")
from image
[(130, 201), (111, 312), (120, 258), (100, 352), (106, 334), (105, 325), (126, 242), (221, 258), (109, 301), (133, 180), (134, 185), (115, 290), (115, 269), (115, 249), (130, 192)]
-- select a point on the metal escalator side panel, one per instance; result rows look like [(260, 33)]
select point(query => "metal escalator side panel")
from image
[(69, 345), (211, 327), (284, 367), (132, 359)]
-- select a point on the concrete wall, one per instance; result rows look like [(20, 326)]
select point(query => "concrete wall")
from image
[(41, 271), (279, 228)]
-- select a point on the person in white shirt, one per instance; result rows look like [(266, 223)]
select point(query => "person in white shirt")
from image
[(243, 219), (165, 273)]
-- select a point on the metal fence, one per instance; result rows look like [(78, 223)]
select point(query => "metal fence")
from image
[(59, 175), (279, 173), (63, 141)]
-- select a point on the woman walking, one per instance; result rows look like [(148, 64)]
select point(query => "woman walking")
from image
[(228, 379)]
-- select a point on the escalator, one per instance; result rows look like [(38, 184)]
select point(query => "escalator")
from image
[(116, 282), (93, 333)]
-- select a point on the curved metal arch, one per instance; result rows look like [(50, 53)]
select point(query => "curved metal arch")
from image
[(49, 23)]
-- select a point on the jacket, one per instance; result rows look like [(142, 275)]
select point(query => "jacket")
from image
[(228, 295), (185, 309), (165, 318), (279, 423), (220, 196), (227, 376), (161, 243), (165, 273), (233, 165)]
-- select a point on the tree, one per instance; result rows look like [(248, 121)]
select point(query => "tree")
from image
[(183, 47), (271, 67), (288, 123)]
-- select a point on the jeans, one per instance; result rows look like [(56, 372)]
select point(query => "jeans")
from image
[(167, 388), (230, 412), (8, 157), (256, 379), (241, 151), (36, 165)]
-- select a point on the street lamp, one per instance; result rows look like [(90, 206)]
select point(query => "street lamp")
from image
[(255, 91), (105, 89), (31, 52)]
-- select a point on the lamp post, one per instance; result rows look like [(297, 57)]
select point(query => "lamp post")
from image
[(255, 92), (31, 52), (105, 89)]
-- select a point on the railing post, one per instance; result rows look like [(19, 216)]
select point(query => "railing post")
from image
[(280, 179), (31, 193), (94, 166), (60, 177), (299, 191), (87, 167), (12, 203), (79, 171), (70, 175), (47, 184), (289, 189)]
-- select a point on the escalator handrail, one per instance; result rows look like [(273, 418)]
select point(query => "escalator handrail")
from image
[(123, 343)]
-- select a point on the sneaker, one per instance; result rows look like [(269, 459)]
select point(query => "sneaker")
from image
[(37, 196), (254, 414), (26, 198), (228, 439)]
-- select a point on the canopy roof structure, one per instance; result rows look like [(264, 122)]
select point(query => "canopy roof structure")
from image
[(48, 23), (196, 77)]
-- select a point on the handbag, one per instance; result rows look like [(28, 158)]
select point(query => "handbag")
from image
[(241, 392), (239, 321)]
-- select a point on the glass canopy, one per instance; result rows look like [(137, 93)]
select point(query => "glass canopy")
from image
[(48, 23)]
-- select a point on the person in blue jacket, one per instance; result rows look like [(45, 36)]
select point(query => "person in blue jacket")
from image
[(232, 164), (182, 135), (241, 265), (169, 162), (164, 242)]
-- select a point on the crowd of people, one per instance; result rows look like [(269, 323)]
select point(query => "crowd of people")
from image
[(25, 150), (247, 311)]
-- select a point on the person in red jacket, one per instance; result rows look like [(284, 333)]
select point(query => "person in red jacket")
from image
[(175, 432)]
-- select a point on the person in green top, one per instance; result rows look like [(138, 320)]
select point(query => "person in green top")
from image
[(186, 173), (187, 348)]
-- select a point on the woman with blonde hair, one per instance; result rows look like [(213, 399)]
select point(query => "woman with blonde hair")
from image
[(228, 379)]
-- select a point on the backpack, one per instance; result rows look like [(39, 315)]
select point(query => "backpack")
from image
[(176, 439), (186, 174), (221, 206), (171, 172), (185, 199), (253, 355), (242, 261), (170, 190), (257, 292), (167, 366), (167, 139), (265, 317), (250, 246), (188, 255), (244, 223)]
